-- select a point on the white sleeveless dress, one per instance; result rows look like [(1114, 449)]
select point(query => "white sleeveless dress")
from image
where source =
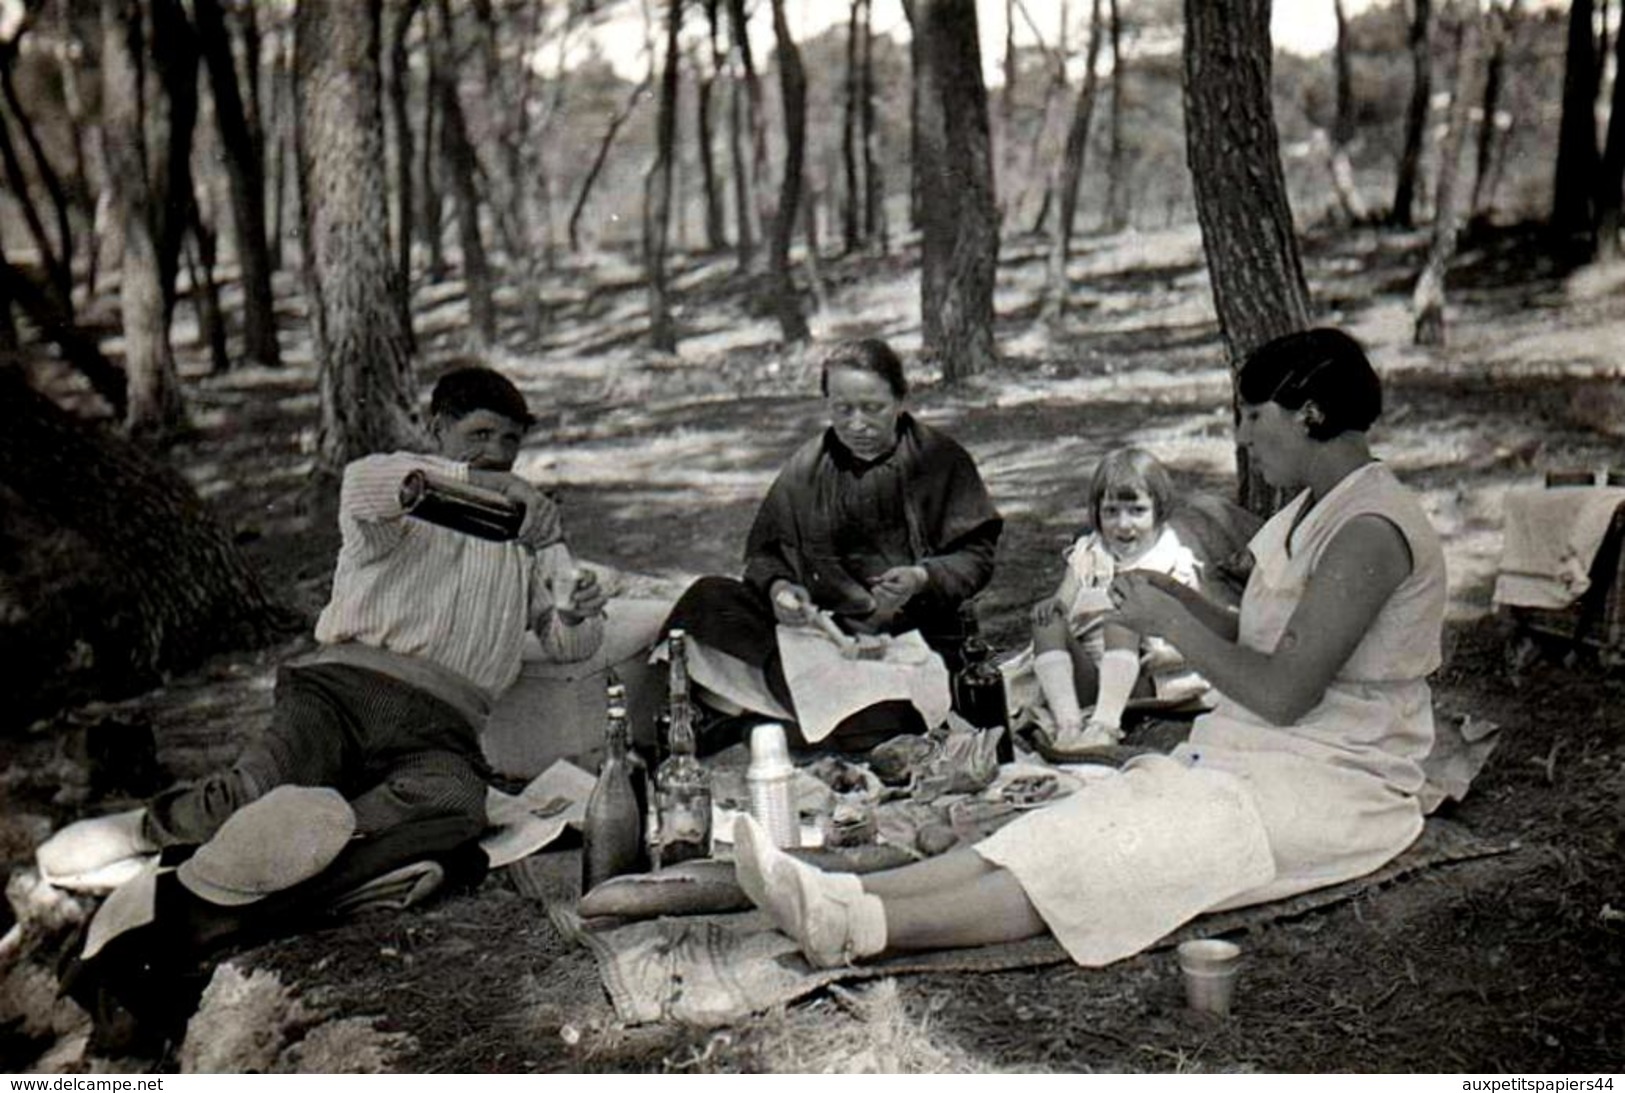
[(1245, 811)]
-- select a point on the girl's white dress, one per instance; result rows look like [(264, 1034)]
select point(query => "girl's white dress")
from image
[(1246, 811)]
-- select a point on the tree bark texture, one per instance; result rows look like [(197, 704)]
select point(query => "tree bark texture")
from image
[(1253, 262), (1428, 298), (739, 164), (1066, 175), (657, 191), (149, 74), (874, 207), (367, 385), (1611, 180), (756, 122), (959, 220), (401, 14), (1416, 115), (429, 212), (166, 587), (461, 165), (793, 89), (1574, 181), (211, 319), (245, 174), (1117, 204), (852, 203)]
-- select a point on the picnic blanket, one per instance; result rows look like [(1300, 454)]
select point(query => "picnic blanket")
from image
[(713, 970)]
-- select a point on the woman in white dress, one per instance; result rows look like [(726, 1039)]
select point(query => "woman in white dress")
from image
[(1305, 774)]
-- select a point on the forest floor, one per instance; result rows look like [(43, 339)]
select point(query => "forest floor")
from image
[(1513, 963)]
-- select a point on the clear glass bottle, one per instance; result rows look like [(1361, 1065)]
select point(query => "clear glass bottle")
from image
[(682, 785), (612, 829)]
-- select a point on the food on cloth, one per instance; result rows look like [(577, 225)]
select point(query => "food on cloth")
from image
[(844, 777), (966, 760), (850, 824), (866, 647), (1030, 790), (936, 838), (697, 887), (895, 761)]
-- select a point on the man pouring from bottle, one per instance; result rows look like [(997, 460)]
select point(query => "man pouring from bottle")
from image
[(425, 628)]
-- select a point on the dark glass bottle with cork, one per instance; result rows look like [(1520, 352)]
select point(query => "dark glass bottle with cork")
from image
[(682, 785), (978, 686), (472, 510)]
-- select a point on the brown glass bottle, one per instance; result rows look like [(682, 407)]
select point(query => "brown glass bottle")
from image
[(978, 686), (682, 785), (612, 830), (472, 510)]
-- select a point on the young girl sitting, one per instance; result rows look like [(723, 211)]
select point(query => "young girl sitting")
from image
[(1078, 656)]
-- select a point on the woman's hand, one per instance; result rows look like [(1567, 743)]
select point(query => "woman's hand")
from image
[(899, 584), (1048, 611), (1147, 603), (792, 605)]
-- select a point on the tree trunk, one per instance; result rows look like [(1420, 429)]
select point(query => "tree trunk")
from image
[(429, 219), (1117, 205), (169, 588), (211, 320), (397, 84), (282, 129), (793, 90), (761, 207), (79, 349), (1611, 182), (1575, 180), (716, 233), (245, 174), (874, 201), (364, 350), (1343, 129), (959, 219), (1259, 290), (62, 258), (1416, 116), (815, 260), (149, 57), (657, 191), (57, 274), (1502, 25), (461, 165), (1067, 173), (253, 112), (744, 232), (1427, 301), (619, 119), (85, 139), (852, 205), (1004, 174)]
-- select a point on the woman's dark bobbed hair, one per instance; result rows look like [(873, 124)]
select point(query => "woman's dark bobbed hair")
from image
[(1324, 366)]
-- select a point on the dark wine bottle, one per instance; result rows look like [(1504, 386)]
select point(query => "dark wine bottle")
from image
[(472, 510), (978, 686)]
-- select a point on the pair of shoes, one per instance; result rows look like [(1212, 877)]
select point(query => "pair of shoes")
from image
[(87, 847), (757, 863)]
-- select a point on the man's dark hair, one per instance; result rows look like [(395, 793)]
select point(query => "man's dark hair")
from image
[(1324, 365), (461, 392), (866, 355)]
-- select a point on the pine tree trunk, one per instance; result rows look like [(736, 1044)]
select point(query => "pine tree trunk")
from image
[(959, 219), (62, 258), (149, 57), (246, 175), (793, 89), (1117, 204), (211, 319), (398, 82), (282, 129), (716, 235), (1231, 144), (756, 121), (657, 191), (744, 232), (1611, 181), (429, 213), (1067, 173), (169, 586), (1343, 129), (1403, 213), (366, 381), (874, 203), (79, 349), (619, 119), (461, 164), (1500, 28), (852, 204), (1574, 182), (1427, 301)]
